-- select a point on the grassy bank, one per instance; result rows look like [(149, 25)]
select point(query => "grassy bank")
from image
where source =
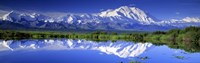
[(187, 39)]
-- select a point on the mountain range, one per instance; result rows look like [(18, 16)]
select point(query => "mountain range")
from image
[(123, 18)]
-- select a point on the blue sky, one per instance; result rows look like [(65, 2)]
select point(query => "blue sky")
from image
[(161, 9)]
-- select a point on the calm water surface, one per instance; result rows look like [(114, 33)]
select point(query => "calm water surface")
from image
[(85, 51)]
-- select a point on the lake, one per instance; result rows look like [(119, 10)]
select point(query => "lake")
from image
[(86, 51)]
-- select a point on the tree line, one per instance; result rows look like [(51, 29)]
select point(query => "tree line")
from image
[(187, 39)]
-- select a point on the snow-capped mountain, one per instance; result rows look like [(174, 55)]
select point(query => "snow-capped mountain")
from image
[(126, 13), (122, 18), (181, 23), (17, 16), (120, 48)]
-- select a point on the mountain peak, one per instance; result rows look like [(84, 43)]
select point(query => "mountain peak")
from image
[(128, 13), (16, 16), (126, 8), (6, 16)]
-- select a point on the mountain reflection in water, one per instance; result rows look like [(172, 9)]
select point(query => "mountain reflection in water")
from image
[(119, 48), (70, 50)]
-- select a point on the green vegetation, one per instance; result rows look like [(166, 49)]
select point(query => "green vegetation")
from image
[(187, 39), (143, 58), (96, 36), (134, 61), (180, 57)]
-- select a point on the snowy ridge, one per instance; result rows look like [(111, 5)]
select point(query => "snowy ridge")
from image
[(131, 13), (123, 13), (122, 18), (17, 16), (185, 22), (119, 48)]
